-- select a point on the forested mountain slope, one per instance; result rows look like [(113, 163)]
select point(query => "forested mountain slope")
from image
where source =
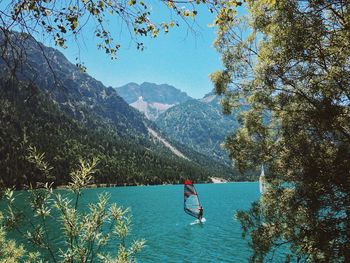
[(201, 125), (68, 115)]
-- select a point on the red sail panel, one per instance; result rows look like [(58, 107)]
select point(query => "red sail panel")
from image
[(188, 182)]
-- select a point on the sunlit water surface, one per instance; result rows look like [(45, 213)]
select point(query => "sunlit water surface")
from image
[(171, 236)]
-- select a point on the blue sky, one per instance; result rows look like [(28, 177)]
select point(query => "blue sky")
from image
[(179, 58)]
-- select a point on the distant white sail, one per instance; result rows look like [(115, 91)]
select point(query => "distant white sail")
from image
[(262, 184)]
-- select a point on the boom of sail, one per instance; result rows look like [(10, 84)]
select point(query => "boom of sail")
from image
[(192, 205)]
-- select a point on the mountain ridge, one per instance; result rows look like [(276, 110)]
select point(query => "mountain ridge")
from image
[(152, 99), (201, 125), (198, 123), (96, 121)]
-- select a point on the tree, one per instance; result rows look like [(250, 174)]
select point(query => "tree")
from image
[(290, 61), (60, 20), (86, 231)]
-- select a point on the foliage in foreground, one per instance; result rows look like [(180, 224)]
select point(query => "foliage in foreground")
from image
[(295, 67), (70, 20), (85, 231)]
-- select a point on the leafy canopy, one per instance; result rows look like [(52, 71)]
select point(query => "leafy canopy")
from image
[(86, 231), (289, 60), (60, 20)]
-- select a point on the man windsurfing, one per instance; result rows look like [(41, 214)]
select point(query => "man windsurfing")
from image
[(192, 205), (200, 214)]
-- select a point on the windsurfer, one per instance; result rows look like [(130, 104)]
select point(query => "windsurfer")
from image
[(192, 206), (200, 213)]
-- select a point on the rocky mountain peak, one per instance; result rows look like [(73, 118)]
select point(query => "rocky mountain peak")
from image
[(152, 99)]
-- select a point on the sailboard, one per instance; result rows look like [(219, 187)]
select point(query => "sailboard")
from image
[(262, 183), (192, 205)]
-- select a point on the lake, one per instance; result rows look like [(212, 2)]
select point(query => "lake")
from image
[(158, 216), (171, 236)]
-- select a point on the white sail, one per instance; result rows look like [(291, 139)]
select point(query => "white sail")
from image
[(262, 184)]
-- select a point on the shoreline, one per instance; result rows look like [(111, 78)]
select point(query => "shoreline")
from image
[(218, 180), (212, 180)]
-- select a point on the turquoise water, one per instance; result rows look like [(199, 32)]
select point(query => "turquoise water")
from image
[(158, 217)]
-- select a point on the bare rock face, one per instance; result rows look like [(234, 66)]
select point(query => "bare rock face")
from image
[(152, 99), (151, 110)]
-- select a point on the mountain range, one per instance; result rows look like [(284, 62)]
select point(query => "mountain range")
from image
[(196, 123), (201, 125), (152, 99), (69, 115)]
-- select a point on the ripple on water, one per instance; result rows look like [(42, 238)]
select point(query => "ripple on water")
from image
[(158, 217)]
